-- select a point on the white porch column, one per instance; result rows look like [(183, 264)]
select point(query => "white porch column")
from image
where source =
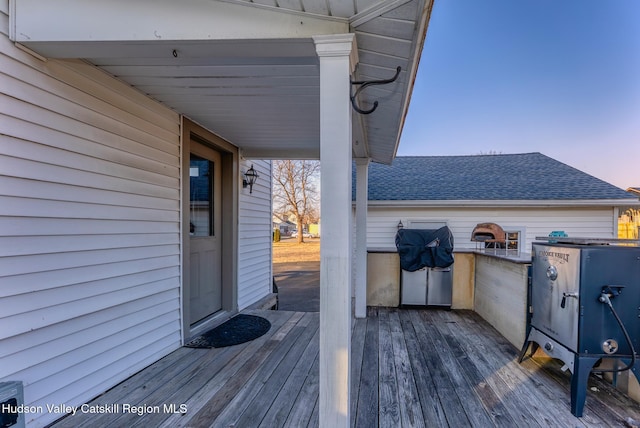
[(362, 196), (337, 59)]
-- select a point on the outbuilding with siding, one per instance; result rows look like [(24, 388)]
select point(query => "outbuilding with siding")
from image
[(527, 194)]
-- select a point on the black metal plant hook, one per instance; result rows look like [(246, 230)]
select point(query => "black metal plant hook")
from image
[(365, 83)]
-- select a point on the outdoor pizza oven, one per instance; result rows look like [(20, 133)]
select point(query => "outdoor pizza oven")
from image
[(488, 232)]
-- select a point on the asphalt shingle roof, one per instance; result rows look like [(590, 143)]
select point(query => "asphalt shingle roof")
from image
[(528, 176)]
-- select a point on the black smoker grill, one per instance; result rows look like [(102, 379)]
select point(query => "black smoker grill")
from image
[(585, 303), (426, 256)]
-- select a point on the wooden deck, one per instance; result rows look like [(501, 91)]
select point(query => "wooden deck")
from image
[(411, 368)]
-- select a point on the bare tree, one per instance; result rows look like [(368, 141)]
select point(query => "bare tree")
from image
[(295, 191)]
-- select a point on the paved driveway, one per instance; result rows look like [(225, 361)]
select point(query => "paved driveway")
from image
[(298, 286)]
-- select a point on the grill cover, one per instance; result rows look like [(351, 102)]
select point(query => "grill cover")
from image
[(420, 248)]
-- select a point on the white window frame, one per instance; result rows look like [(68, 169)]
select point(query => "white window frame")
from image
[(522, 237), (520, 242)]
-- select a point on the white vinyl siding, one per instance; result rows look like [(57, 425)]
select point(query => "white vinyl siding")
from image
[(89, 228), (382, 222), (255, 229)]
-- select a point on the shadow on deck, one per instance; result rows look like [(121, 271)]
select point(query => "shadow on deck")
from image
[(410, 368)]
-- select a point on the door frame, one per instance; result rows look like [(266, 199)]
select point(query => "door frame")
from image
[(229, 156)]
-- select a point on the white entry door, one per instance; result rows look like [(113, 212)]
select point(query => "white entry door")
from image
[(205, 234)]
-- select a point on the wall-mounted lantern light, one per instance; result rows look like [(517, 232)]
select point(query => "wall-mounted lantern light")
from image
[(400, 225), (249, 179)]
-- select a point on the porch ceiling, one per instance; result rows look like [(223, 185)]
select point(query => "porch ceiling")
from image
[(258, 89)]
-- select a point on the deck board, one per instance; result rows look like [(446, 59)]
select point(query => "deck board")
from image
[(389, 403), (549, 403), (220, 377), (278, 412), (506, 377), (235, 396), (358, 335), (410, 368), (469, 394), (410, 408), (302, 411), (490, 386), (432, 411), (367, 392), (269, 387), (451, 404)]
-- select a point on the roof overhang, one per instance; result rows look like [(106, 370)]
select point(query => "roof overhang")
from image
[(248, 72)]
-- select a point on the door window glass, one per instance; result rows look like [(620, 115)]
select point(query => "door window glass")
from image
[(200, 192)]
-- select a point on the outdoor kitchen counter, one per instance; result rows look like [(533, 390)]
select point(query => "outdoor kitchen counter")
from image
[(500, 292), (511, 255), (493, 283), (383, 278)]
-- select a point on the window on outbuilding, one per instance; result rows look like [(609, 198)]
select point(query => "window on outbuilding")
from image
[(513, 241)]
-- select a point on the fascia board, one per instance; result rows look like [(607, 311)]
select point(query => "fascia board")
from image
[(577, 203), (153, 20)]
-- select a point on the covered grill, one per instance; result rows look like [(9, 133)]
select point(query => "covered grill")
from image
[(585, 304), (426, 257)]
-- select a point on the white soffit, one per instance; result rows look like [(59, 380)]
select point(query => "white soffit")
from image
[(246, 70)]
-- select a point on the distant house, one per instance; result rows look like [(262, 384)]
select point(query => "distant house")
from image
[(285, 226), (527, 194), (629, 221), (634, 190)]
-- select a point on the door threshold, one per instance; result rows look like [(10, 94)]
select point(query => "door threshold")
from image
[(208, 323)]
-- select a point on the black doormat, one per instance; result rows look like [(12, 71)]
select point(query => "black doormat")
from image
[(239, 329)]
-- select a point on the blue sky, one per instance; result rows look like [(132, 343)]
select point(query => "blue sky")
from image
[(560, 77)]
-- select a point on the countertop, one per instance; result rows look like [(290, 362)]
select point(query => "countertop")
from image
[(510, 255)]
